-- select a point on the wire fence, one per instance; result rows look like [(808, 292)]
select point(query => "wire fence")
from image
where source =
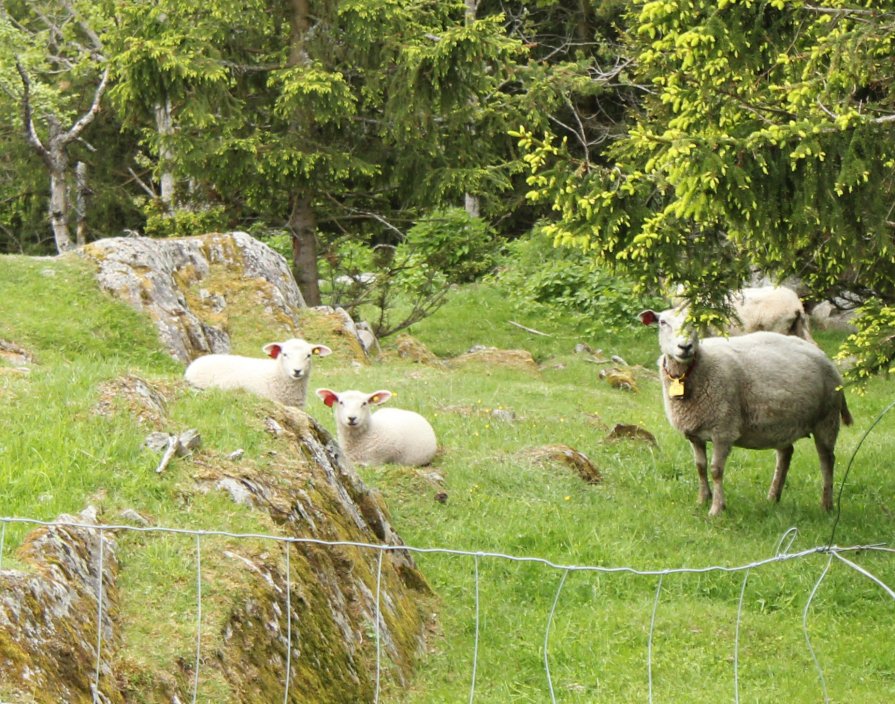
[(782, 554)]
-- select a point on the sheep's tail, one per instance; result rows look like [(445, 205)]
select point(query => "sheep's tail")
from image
[(844, 412)]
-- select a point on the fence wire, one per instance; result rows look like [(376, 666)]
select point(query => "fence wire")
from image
[(782, 555)]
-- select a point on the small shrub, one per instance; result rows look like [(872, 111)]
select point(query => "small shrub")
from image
[(565, 282)]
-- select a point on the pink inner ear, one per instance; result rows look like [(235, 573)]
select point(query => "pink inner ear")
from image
[(274, 351)]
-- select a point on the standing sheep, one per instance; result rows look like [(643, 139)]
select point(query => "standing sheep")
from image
[(283, 378), (770, 308), (390, 435), (758, 391)]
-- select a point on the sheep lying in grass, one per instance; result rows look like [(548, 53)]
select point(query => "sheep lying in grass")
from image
[(283, 378), (770, 308), (390, 435), (758, 391)]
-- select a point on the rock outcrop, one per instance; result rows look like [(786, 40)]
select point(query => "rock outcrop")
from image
[(185, 284), (316, 621), (48, 616)]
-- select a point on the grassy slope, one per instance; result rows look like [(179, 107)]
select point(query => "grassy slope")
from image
[(643, 515), (56, 455)]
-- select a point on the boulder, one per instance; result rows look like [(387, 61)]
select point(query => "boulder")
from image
[(185, 284)]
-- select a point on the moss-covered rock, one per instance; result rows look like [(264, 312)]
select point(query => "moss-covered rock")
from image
[(187, 286), (48, 617)]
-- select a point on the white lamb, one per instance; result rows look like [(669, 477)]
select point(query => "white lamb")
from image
[(390, 435), (283, 378), (758, 391)]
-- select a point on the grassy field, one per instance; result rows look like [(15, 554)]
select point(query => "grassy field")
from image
[(488, 493)]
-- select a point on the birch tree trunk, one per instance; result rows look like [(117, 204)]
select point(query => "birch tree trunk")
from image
[(81, 203), (55, 153), (164, 124), (471, 201), (56, 159)]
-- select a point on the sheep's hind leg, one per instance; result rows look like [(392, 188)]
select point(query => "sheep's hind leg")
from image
[(784, 457), (702, 469), (827, 458), (719, 457)]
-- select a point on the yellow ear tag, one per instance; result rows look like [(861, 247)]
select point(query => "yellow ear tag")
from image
[(675, 388)]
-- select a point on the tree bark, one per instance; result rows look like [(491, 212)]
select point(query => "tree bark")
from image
[(303, 227), (81, 192), (56, 159), (302, 219), (164, 124)]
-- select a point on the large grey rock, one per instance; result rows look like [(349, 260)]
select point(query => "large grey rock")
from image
[(48, 616), (178, 281)]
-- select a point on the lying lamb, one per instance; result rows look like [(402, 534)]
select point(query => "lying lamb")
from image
[(390, 435), (758, 391), (283, 378)]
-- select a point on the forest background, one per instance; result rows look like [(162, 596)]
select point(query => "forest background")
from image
[(670, 142)]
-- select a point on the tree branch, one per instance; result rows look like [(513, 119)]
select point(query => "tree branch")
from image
[(27, 116), (88, 117)]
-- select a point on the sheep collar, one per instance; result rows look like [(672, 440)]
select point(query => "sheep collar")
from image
[(676, 387)]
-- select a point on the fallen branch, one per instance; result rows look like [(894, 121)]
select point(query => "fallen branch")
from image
[(531, 330)]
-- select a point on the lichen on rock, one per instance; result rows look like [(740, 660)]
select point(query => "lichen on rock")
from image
[(165, 278)]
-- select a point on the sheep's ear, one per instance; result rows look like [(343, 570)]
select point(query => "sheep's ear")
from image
[(649, 317), (321, 350), (328, 397), (272, 349), (380, 396)]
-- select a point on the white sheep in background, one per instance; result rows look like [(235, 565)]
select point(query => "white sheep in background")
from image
[(282, 378), (758, 391), (390, 435), (770, 308)]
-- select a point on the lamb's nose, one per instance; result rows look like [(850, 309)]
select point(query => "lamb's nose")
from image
[(352, 420), (685, 348)]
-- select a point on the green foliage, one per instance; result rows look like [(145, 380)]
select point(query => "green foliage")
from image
[(565, 282), (757, 144), (453, 242), (182, 222)]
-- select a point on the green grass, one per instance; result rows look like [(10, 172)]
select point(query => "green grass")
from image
[(56, 455)]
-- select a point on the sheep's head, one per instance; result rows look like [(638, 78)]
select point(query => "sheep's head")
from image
[(677, 337), (295, 356), (353, 408)]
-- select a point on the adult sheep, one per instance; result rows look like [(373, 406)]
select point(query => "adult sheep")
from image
[(390, 435), (770, 308), (759, 391), (282, 378)]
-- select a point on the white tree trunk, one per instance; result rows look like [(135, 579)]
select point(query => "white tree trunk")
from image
[(81, 202), (165, 126)]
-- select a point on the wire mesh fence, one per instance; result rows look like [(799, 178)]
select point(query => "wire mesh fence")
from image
[(782, 554)]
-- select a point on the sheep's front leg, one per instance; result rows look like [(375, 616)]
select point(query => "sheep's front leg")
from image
[(719, 458), (701, 468), (784, 456)]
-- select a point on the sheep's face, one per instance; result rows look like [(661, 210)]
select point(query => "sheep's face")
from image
[(677, 338), (295, 356), (353, 409)]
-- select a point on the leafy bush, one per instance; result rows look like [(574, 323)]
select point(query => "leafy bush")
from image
[(395, 286), (451, 241), (565, 281), (182, 222)]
